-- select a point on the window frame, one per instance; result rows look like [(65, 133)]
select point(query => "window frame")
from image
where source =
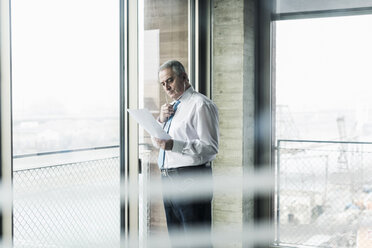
[(6, 213)]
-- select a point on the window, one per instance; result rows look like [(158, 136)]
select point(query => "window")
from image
[(65, 79), (323, 118)]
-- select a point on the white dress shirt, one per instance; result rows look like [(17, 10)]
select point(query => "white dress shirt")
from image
[(194, 130)]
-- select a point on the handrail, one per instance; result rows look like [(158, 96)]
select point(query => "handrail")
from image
[(326, 141), (69, 151), (64, 151), (63, 164)]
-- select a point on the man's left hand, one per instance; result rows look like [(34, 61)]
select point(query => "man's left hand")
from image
[(164, 144)]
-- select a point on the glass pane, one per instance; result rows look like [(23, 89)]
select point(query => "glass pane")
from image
[(163, 36), (65, 71), (324, 115)]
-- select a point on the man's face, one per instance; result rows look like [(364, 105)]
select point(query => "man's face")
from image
[(172, 84)]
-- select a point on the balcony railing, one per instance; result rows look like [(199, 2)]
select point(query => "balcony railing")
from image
[(67, 198), (324, 194), (71, 198)]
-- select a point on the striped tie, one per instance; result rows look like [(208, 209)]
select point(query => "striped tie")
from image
[(166, 128)]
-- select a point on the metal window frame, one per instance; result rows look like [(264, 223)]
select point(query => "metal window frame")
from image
[(200, 45), (264, 132), (123, 45), (191, 40), (322, 13), (128, 127), (6, 216), (203, 45)]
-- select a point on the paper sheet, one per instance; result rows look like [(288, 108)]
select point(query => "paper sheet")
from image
[(147, 122)]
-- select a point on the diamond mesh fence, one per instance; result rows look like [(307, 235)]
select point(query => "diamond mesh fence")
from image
[(68, 205), (324, 194)]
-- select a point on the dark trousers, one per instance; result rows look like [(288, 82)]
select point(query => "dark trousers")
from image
[(190, 215)]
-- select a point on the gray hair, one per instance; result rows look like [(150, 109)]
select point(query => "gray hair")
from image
[(176, 66)]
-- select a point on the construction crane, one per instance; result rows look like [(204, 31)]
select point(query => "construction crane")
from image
[(342, 157), (285, 126)]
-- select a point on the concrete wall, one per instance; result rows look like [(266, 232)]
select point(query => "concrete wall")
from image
[(233, 92)]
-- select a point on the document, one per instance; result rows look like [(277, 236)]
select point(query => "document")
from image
[(147, 122)]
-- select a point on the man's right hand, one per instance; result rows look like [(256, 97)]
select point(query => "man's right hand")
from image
[(166, 110)]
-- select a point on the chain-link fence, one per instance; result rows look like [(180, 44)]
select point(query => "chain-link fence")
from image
[(68, 205), (324, 194)]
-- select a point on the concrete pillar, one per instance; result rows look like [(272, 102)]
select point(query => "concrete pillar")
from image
[(233, 92)]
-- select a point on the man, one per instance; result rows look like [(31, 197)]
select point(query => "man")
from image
[(192, 122)]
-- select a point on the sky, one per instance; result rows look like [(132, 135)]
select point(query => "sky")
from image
[(65, 57), (324, 63)]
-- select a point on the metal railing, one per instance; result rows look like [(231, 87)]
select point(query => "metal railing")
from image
[(71, 198), (74, 204), (323, 194)]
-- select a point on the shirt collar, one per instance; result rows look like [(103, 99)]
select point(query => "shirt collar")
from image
[(186, 95)]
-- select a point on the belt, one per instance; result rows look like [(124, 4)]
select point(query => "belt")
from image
[(179, 170), (166, 172)]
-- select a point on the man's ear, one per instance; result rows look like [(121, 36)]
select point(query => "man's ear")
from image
[(185, 78)]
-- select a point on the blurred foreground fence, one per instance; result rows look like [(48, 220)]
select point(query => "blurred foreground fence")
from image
[(324, 194)]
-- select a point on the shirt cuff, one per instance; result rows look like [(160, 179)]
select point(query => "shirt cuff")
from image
[(178, 146), (158, 120)]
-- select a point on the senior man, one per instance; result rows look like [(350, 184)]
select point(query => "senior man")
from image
[(191, 119)]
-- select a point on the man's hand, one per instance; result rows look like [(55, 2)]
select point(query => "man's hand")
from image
[(164, 144), (166, 110)]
